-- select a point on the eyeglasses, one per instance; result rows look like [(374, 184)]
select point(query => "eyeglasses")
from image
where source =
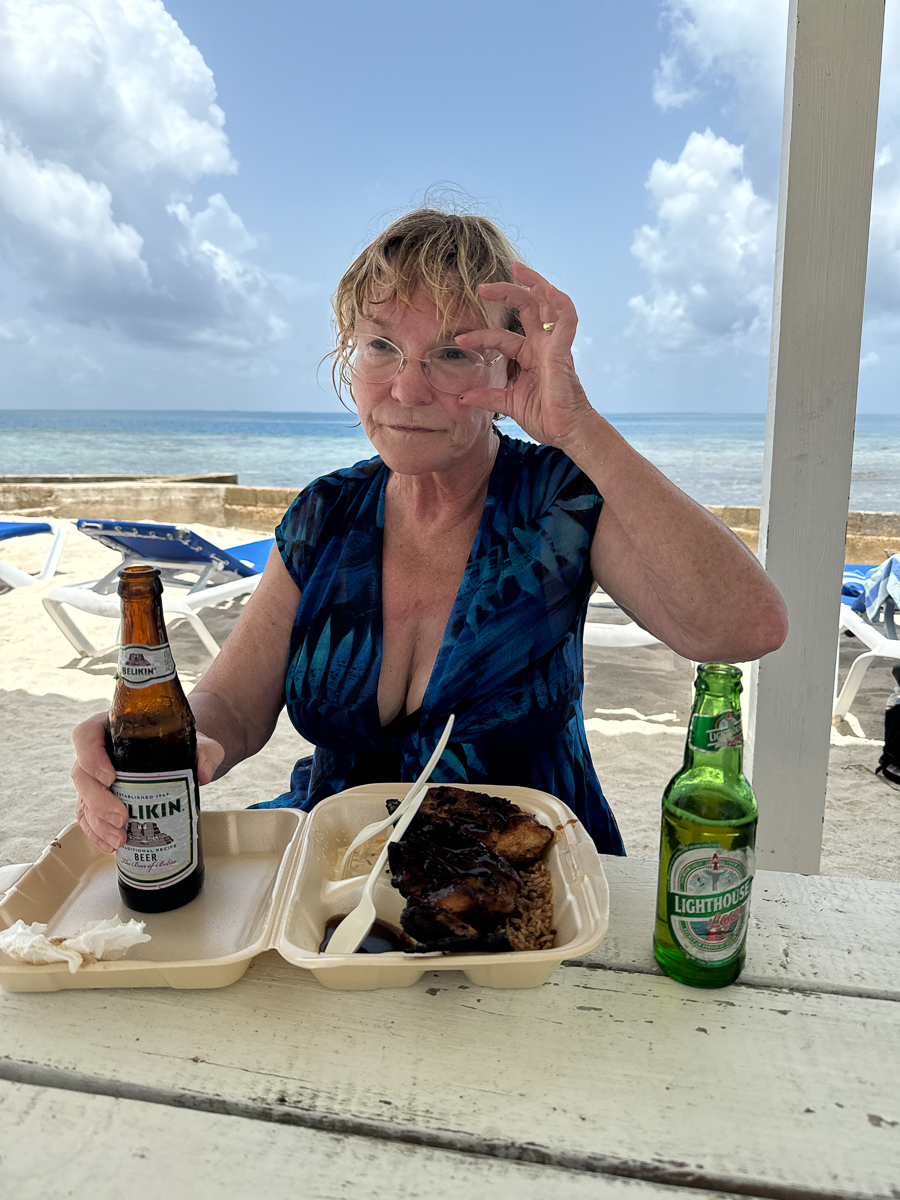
[(447, 368)]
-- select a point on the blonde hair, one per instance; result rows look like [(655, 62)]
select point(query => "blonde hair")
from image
[(445, 255)]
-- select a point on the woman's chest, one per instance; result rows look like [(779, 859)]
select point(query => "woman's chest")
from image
[(419, 586)]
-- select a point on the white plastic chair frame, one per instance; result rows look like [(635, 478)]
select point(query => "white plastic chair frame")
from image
[(13, 577), (181, 599), (878, 645)]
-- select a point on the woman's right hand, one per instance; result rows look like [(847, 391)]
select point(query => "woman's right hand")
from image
[(99, 813)]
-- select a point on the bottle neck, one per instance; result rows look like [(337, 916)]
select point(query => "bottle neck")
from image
[(146, 664), (715, 737), (142, 618)]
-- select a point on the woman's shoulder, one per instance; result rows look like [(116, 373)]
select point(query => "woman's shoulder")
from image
[(542, 471), (326, 501), (344, 482), (344, 479)]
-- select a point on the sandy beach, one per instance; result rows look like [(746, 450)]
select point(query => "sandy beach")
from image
[(636, 705)]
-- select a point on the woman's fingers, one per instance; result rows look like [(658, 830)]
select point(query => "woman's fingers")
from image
[(99, 813), (104, 835), (89, 739), (504, 340), (493, 399), (539, 305), (209, 757)]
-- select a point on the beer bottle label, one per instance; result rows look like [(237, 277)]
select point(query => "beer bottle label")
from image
[(139, 666), (161, 833), (720, 732), (708, 901)]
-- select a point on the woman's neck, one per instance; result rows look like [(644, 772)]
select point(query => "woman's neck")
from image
[(445, 496)]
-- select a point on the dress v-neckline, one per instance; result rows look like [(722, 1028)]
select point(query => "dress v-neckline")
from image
[(445, 648)]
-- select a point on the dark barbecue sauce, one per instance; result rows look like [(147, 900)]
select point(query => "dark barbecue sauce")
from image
[(381, 938)]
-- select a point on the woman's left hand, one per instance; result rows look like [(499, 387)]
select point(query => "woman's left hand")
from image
[(546, 399)]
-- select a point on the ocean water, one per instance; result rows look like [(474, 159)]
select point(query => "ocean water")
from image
[(716, 459)]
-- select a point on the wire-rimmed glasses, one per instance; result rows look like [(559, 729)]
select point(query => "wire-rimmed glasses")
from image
[(375, 359)]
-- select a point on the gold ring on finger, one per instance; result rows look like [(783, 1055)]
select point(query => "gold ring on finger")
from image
[(549, 326)]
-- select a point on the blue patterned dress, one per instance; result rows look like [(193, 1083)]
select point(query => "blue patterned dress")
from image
[(510, 662)]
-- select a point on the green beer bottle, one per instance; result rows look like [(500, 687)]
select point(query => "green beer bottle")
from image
[(706, 850)]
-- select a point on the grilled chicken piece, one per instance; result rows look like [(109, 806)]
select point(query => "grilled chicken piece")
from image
[(502, 827), (456, 887)]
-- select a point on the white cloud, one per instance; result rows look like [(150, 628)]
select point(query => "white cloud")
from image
[(710, 255), (728, 41), (668, 89), (740, 47), (110, 122), (66, 222), (16, 332)]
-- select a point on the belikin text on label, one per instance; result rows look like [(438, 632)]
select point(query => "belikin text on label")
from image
[(139, 666), (161, 833)]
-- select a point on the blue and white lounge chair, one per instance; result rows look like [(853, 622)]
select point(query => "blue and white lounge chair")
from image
[(12, 576), (195, 574), (870, 598)]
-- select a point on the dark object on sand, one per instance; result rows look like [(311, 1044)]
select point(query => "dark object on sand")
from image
[(889, 763)]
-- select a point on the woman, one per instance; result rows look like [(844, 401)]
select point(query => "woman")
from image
[(452, 572)]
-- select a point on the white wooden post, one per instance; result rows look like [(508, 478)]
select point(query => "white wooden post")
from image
[(827, 163)]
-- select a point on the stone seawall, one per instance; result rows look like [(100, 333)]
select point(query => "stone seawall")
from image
[(871, 536), (182, 501), (219, 500)]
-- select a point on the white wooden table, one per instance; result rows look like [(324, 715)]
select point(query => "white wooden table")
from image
[(609, 1081)]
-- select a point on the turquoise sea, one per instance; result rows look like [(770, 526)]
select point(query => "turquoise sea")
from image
[(716, 459)]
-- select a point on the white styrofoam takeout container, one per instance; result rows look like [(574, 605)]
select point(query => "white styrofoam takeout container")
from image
[(271, 883)]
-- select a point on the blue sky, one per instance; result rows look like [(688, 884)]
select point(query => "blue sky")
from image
[(181, 186)]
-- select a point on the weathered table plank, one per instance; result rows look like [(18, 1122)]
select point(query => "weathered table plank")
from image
[(55, 1143), (809, 933), (596, 1070)]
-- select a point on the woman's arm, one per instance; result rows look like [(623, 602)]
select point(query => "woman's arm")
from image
[(669, 563), (238, 700), (236, 705)]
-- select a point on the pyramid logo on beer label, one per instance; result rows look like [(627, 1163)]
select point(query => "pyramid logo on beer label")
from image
[(146, 833)]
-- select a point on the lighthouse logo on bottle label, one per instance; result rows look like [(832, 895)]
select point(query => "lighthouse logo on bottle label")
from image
[(708, 901), (721, 732), (139, 665)]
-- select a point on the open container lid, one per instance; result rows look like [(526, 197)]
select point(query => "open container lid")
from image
[(271, 883)]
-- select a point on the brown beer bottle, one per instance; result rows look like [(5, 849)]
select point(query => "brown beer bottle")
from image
[(153, 746)]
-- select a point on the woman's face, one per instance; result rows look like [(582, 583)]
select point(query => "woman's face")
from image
[(414, 427)]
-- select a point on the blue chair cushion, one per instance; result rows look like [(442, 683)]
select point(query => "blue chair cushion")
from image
[(171, 544), (11, 529)]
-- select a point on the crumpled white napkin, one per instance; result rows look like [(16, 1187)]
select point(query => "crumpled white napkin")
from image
[(95, 941)]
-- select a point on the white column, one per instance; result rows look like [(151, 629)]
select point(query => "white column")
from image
[(827, 163)]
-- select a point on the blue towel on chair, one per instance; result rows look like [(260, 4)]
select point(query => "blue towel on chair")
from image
[(881, 583), (854, 581)]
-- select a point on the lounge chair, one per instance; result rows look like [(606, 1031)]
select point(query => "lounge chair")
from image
[(195, 574), (881, 638), (12, 576)]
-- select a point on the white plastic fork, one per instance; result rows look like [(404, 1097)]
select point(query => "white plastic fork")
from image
[(377, 827), (354, 928)]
